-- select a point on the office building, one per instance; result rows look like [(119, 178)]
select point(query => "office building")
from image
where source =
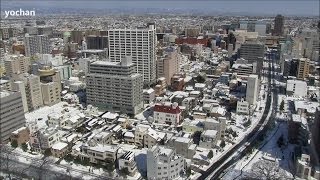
[(252, 89), (8, 32), (296, 88), (278, 25), (16, 64), (164, 163), (2, 56), (303, 68), (12, 115), (97, 42), (76, 36), (36, 44), (253, 52), (310, 43), (244, 69), (168, 65), (115, 86), (290, 67), (138, 43)]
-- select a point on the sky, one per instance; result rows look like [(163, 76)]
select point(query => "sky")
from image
[(272, 7)]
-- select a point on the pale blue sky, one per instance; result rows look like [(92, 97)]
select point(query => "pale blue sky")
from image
[(272, 7)]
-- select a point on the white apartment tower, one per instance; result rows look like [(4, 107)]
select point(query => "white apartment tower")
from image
[(252, 89), (140, 44), (36, 44), (164, 163), (115, 86)]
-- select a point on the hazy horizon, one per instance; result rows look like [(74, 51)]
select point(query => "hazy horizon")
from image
[(271, 7)]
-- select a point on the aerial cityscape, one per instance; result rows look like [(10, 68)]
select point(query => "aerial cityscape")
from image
[(181, 89)]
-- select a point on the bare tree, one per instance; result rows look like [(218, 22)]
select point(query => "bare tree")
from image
[(268, 170), (7, 159), (42, 166)]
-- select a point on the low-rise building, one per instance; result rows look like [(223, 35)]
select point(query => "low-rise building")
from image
[(59, 149), (139, 134), (167, 113), (148, 96), (44, 138), (303, 167), (20, 135), (153, 137), (208, 139), (164, 163), (99, 153), (128, 137), (192, 126), (242, 107), (297, 88), (127, 161), (181, 145)]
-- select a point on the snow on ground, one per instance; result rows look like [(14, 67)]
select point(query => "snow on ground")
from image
[(144, 115), (270, 151), (96, 171), (28, 154)]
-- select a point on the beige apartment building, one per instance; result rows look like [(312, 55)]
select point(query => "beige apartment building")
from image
[(30, 88), (168, 65), (16, 64), (50, 93), (303, 68)]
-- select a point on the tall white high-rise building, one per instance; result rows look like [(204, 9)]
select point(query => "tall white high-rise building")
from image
[(36, 44), (140, 44), (252, 89)]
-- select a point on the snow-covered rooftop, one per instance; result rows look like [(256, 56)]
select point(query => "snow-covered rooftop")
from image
[(59, 146)]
